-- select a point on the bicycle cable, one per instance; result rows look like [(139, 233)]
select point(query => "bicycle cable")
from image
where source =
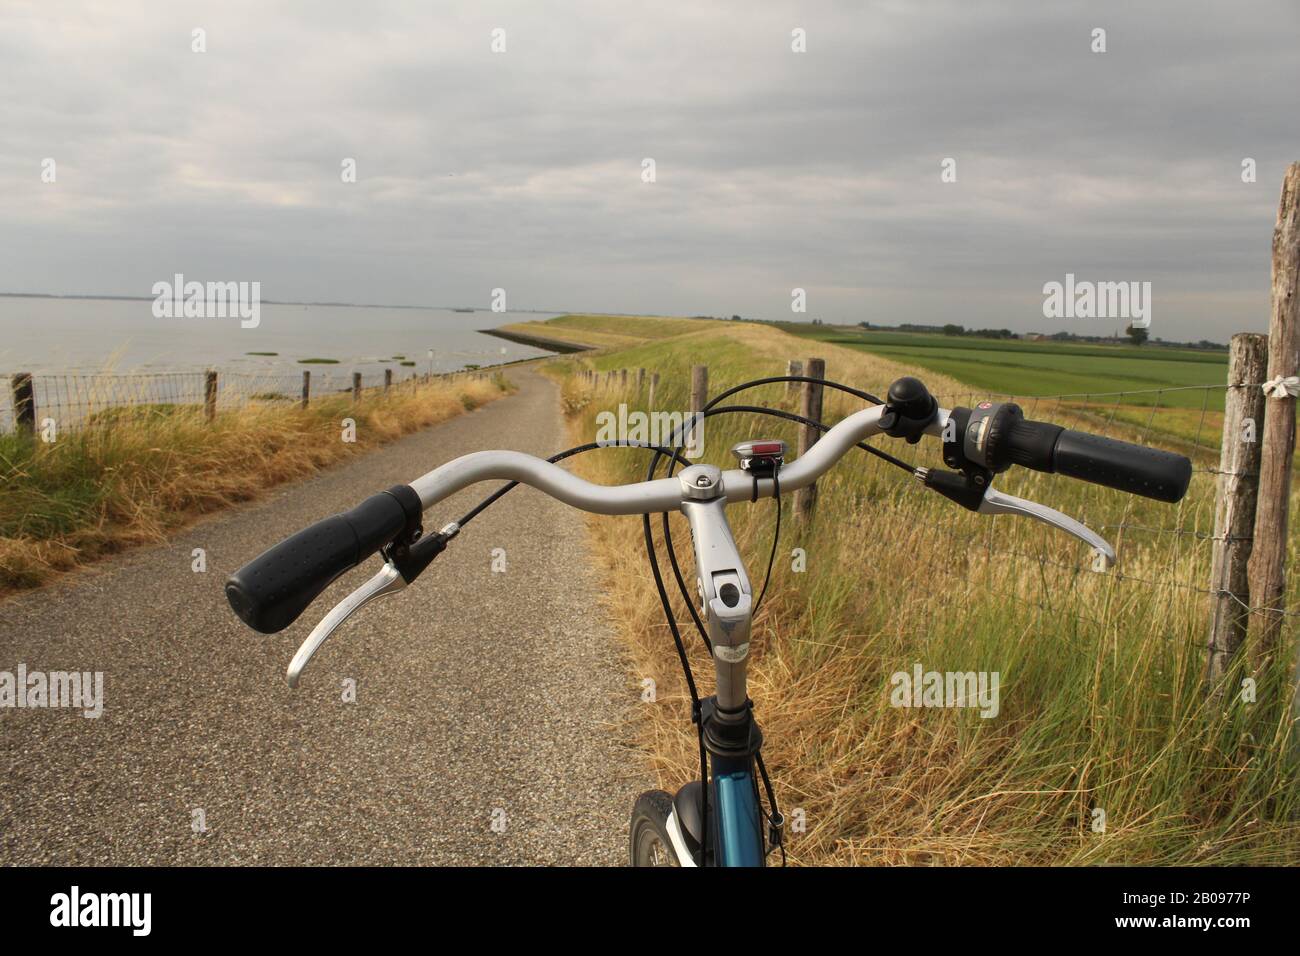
[(709, 409), (776, 537), (560, 456), (775, 820), (675, 457), (659, 584), (678, 446)]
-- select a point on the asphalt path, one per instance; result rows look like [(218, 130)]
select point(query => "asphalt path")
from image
[(489, 720)]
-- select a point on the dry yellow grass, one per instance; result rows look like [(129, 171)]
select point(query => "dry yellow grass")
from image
[(1102, 702), (140, 473)]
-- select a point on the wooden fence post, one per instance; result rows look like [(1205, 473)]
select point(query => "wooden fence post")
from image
[(24, 399), (810, 407), (793, 367), (699, 387), (1235, 498), (1268, 555), (622, 378), (210, 395), (306, 386), (640, 380), (654, 387), (356, 386), (699, 398), (388, 379)]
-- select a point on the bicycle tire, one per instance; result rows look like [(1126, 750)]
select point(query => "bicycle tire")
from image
[(648, 841)]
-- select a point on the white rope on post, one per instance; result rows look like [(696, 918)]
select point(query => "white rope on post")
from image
[(1282, 386)]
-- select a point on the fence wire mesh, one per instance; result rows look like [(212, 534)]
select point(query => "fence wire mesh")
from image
[(1166, 548), (74, 401), (1165, 551)]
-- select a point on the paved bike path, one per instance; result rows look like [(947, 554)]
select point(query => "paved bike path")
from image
[(481, 697)]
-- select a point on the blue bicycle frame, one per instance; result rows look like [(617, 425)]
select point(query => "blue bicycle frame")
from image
[(735, 820)]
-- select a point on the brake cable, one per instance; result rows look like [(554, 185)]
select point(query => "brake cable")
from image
[(569, 453), (776, 537), (659, 451), (749, 409), (775, 819), (710, 409)]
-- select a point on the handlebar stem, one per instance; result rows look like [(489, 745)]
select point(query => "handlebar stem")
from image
[(726, 599)]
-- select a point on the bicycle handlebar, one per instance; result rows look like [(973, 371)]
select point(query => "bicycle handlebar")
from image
[(645, 497), (271, 591)]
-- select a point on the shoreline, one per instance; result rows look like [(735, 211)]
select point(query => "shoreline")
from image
[(536, 341)]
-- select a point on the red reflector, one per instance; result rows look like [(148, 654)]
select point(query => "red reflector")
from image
[(766, 448)]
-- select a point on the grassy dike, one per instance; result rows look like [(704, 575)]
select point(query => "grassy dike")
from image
[(137, 473), (1102, 706)]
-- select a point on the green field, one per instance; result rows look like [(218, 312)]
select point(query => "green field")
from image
[(1014, 367)]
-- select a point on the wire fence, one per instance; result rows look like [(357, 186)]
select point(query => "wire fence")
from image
[(1163, 548), (74, 401), (1165, 551)]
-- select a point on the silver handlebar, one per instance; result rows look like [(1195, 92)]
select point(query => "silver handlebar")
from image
[(662, 495), (665, 494), (647, 497)]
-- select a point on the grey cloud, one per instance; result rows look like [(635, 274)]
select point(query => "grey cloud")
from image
[(775, 170)]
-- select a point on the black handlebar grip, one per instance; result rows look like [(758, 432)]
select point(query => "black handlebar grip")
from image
[(1137, 469), (272, 590), (1012, 439)]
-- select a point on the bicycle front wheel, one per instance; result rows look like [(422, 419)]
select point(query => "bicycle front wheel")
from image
[(648, 840)]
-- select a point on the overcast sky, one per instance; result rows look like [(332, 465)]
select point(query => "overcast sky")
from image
[(774, 169)]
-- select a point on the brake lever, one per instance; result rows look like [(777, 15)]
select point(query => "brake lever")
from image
[(403, 563), (974, 493), (997, 503), (389, 580)]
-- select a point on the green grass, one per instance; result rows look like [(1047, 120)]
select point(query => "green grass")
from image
[(1016, 367), (318, 361), (607, 331), (634, 326)]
